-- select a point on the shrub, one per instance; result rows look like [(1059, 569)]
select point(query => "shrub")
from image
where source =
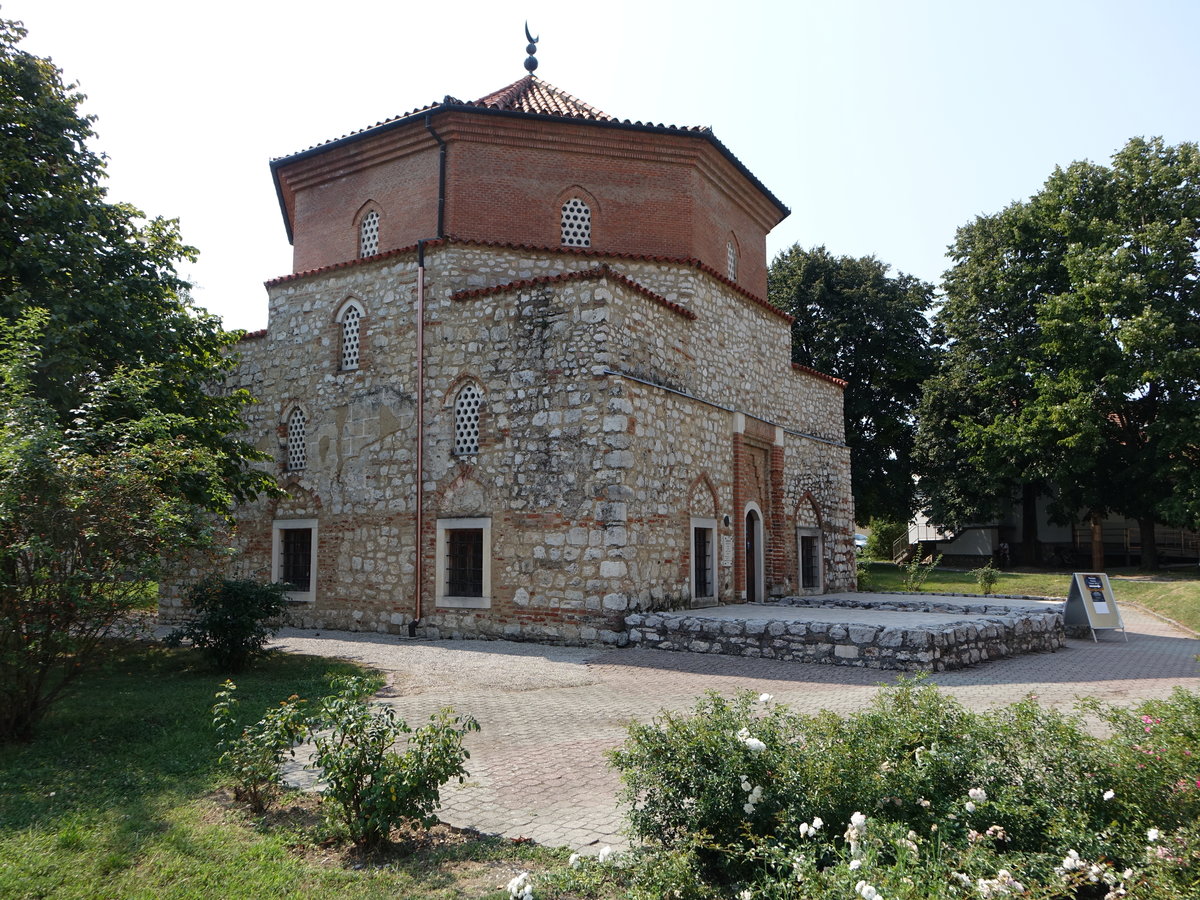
[(231, 620), (370, 787), (916, 572), (917, 797), (88, 511), (883, 534), (253, 754), (986, 577)]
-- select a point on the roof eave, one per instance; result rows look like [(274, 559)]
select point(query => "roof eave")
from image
[(429, 113)]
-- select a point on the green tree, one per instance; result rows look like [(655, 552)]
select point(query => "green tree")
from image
[(87, 514), (858, 323), (118, 440), (106, 276), (1073, 357)]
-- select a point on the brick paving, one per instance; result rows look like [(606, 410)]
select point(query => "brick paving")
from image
[(548, 713)]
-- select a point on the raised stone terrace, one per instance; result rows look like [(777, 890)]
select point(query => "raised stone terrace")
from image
[(878, 631)]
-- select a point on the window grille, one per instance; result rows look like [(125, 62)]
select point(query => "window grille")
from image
[(466, 420), (464, 562), (350, 336), (702, 563), (576, 224), (731, 261), (297, 450), (296, 566), (368, 234), (809, 562)]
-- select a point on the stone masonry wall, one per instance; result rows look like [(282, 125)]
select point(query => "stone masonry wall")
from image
[(589, 478)]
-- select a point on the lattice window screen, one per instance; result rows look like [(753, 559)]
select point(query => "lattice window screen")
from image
[(297, 435), (576, 224), (731, 261), (350, 333), (466, 420), (368, 234)]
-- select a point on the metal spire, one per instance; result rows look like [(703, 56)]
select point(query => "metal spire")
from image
[(531, 48)]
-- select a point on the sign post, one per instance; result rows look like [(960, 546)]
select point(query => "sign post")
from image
[(1091, 602)]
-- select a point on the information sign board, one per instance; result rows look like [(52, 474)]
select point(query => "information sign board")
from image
[(1091, 602), (726, 550)]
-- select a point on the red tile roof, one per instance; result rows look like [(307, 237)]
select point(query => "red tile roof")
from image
[(577, 251), (532, 95), (817, 374), (601, 271)]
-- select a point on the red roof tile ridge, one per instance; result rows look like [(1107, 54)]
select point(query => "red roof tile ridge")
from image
[(346, 264), (577, 251), (531, 94), (253, 335), (824, 376), (638, 257), (600, 271)]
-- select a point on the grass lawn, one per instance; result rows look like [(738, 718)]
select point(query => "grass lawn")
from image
[(118, 796), (1174, 593)]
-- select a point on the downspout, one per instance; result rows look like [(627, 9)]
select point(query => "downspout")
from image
[(420, 470), (441, 215), (420, 312)]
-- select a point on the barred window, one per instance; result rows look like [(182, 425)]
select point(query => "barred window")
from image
[(576, 224), (464, 562), (466, 420), (297, 441), (368, 234), (731, 261), (295, 568), (351, 320)]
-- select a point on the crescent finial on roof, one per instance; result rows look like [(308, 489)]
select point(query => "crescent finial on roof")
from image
[(531, 60)]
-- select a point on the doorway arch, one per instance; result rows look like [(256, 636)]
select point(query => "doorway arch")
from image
[(754, 550)]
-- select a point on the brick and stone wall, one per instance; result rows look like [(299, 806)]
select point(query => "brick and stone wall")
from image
[(612, 404)]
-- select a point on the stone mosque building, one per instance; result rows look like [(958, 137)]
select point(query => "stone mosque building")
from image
[(523, 380)]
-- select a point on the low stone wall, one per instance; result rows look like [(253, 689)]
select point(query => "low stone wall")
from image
[(933, 647)]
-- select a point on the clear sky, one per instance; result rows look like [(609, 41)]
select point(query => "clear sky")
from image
[(884, 126)]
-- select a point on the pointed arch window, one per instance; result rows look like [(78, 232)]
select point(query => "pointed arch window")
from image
[(368, 234), (466, 420), (576, 224), (297, 440), (731, 260), (351, 321)]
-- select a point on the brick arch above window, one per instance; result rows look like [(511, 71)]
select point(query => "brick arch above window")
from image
[(296, 442), (732, 255), (350, 319), (468, 403), (367, 224), (577, 211)]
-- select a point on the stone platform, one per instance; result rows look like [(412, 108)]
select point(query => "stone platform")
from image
[(878, 631)]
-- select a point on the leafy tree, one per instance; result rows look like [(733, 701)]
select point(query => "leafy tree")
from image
[(1073, 323), (857, 322), (116, 435), (106, 276), (87, 513)]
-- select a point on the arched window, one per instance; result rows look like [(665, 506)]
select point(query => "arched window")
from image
[(576, 224), (351, 325), (466, 420), (731, 260), (297, 439), (368, 234)]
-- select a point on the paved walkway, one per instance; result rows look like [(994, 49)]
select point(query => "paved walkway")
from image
[(549, 713)]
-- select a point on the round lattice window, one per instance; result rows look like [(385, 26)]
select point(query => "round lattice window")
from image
[(466, 420), (350, 333), (297, 433), (576, 224), (368, 234)]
